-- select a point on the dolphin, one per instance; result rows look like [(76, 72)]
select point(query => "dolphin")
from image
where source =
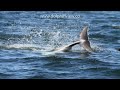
[(83, 41)]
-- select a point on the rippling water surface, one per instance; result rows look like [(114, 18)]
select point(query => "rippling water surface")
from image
[(27, 39)]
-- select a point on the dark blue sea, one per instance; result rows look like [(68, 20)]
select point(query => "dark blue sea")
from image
[(28, 40)]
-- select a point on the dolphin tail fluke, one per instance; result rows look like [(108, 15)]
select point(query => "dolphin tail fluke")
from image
[(83, 34), (84, 40), (86, 46)]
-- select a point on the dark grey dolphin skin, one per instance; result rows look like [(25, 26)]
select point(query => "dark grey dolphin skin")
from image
[(83, 41), (68, 47)]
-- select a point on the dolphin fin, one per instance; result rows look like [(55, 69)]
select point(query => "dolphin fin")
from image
[(83, 34), (84, 40), (86, 46)]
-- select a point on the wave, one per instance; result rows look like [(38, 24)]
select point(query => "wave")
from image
[(20, 46), (49, 50)]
